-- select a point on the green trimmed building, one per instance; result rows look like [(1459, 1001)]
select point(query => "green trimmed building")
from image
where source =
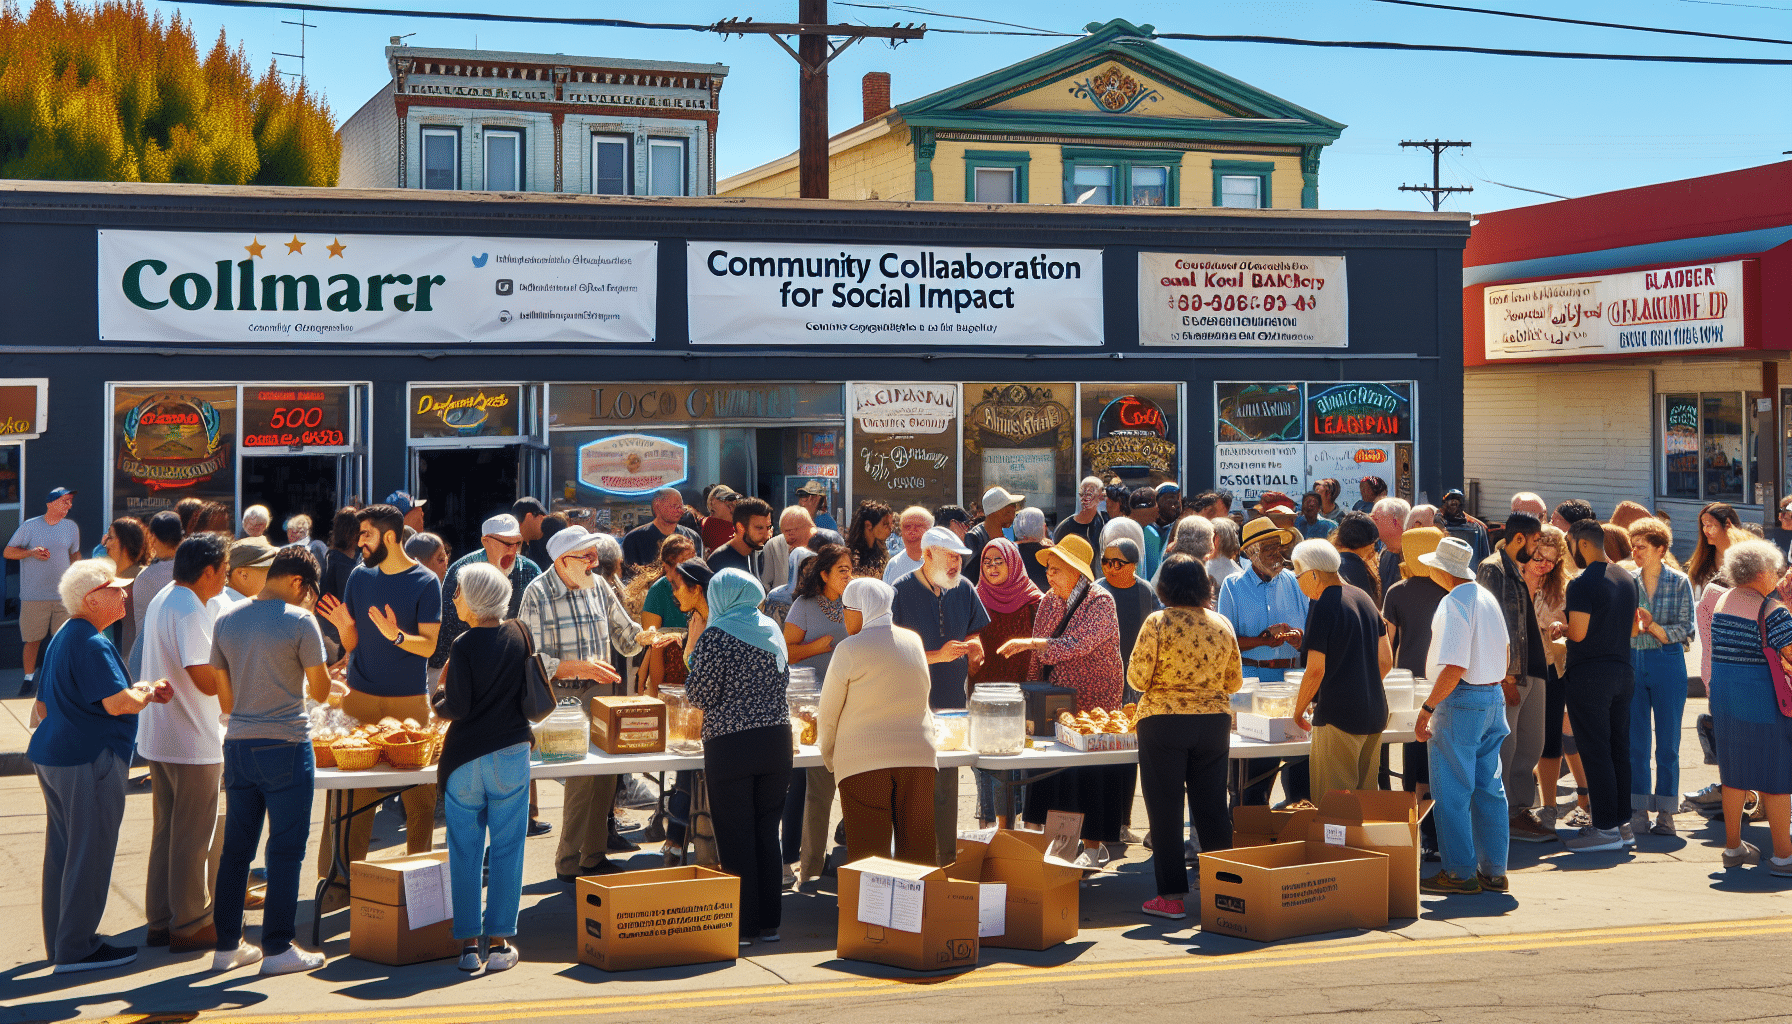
[(1113, 118)]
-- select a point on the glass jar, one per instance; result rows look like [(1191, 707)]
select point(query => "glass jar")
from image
[(951, 730), (804, 696), (684, 722), (1275, 700), (565, 735), (998, 719)]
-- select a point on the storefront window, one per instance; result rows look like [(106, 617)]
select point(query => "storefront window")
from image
[(1132, 431), (1722, 448), (1022, 437), (170, 443), (905, 445), (12, 471), (1680, 446)]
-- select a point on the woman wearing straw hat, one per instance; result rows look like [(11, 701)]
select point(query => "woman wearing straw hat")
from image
[(1076, 643)]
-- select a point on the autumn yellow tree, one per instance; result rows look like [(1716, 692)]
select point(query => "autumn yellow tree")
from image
[(107, 93)]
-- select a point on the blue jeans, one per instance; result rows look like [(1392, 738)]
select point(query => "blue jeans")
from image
[(488, 793), (1473, 830), (268, 777), (1660, 692)]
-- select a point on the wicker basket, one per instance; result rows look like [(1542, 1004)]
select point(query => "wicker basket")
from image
[(409, 750), (322, 754), (354, 759)]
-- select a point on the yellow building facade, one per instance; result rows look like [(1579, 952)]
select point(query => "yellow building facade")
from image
[(1113, 118)]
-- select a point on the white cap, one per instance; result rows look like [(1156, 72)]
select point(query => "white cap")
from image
[(998, 498), (573, 538), (942, 537), (503, 526)]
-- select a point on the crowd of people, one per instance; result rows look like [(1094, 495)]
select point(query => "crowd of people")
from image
[(197, 646)]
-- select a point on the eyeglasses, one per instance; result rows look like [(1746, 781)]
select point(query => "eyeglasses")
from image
[(1114, 563), (508, 545)]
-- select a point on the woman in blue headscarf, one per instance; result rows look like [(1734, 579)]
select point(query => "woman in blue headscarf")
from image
[(739, 672)]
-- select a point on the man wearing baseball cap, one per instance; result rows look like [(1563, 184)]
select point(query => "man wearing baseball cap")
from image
[(1456, 522), (500, 544), (574, 619), (1466, 664), (248, 572), (44, 546), (935, 602), (813, 496), (999, 508)]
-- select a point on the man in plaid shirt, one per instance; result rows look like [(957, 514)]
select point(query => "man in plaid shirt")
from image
[(574, 620)]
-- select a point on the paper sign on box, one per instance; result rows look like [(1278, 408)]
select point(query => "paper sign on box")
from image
[(992, 909)]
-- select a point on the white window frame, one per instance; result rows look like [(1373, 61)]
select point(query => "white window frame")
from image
[(682, 145), (1256, 186), (452, 134), (1011, 173), (627, 142), (485, 148)]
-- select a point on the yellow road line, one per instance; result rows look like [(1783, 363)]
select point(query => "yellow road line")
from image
[(1014, 974)]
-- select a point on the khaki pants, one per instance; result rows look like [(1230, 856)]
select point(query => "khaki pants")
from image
[(886, 804), (1340, 760), (945, 815), (585, 824), (419, 801), (818, 809), (183, 846)]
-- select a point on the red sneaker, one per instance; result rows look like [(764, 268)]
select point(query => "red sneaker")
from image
[(1165, 907)]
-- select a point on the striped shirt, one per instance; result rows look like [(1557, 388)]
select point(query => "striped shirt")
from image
[(577, 625)]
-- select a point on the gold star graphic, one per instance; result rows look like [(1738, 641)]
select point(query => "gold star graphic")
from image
[(335, 248), (295, 246), (254, 248)]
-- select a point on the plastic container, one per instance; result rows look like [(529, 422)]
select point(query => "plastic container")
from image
[(998, 719), (565, 735), (684, 722), (1275, 700), (951, 730), (804, 695)]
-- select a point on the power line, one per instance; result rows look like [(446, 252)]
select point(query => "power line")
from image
[(1494, 51), (287, 5), (1579, 21), (924, 12), (1722, 3), (1462, 168)]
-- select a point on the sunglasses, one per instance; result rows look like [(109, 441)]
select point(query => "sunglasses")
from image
[(1114, 563)]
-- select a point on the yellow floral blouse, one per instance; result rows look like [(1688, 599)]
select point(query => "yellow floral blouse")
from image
[(1185, 662)]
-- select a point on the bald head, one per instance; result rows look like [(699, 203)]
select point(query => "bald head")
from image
[(914, 523), (797, 526), (1530, 504), (1421, 515)]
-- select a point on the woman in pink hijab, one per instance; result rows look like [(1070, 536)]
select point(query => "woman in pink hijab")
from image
[(1010, 597)]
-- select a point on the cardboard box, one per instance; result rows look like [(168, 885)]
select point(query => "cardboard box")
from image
[(1288, 889), (1097, 740), (1403, 721), (948, 935), (1386, 823), (1269, 730), (1043, 895), (1261, 826), (628, 725), (380, 929), (664, 917), (1044, 701)]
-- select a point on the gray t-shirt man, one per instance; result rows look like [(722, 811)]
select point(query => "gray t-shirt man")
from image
[(38, 576), (265, 647)]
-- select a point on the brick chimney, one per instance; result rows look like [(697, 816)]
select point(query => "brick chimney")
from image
[(876, 89)]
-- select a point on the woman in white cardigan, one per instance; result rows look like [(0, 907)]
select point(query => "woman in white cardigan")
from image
[(876, 731)]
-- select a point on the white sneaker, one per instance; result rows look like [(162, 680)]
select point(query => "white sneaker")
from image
[(1594, 840), (503, 959), (230, 959), (293, 961)]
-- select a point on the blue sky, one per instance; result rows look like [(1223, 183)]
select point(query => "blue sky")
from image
[(1568, 127)]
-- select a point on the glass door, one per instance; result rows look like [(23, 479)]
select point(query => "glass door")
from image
[(12, 481)]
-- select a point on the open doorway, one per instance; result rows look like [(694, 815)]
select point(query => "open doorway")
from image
[(291, 484), (464, 487)]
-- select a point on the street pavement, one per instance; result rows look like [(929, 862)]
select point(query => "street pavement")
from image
[(1661, 932)]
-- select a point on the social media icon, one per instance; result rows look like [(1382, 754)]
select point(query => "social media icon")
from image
[(504, 316), (505, 286), (479, 260)]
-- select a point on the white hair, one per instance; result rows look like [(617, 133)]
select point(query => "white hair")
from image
[(485, 589), (794, 512), (81, 579), (1225, 537), (299, 522), (1127, 527), (913, 512), (1525, 501), (1745, 562), (1421, 515), (1316, 554), (257, 514), (1029, 524), (1092, 480), (1396, 509), (609, 552), (1194, 537)]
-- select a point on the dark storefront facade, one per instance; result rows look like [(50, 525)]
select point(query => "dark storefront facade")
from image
[(305, 348)]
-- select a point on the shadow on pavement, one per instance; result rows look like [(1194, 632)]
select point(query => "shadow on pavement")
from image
[(174, 995)]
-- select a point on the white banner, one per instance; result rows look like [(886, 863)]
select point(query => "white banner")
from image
[(765, 293), (190, 286), (1678, 310), (1247, 470), (1215, 300)]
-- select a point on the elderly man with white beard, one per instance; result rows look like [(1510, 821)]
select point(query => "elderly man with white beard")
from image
[(574, 622), (937, 602)]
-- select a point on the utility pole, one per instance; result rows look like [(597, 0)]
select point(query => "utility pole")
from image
[(1437, 190), (303, 25), (813, 52)]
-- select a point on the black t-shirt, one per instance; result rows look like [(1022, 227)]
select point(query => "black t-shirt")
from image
[(1409, 607), (1029, 557), (725, 557), (1356, 573), (1090, 531), (1389, 567), (973, 562), (1608, 595), (1344, 626), (482, 696), (641, 545)]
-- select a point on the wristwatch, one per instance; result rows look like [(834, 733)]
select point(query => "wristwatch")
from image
[(1428, 709)]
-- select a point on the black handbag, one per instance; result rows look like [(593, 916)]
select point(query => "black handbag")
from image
[(538, 684)]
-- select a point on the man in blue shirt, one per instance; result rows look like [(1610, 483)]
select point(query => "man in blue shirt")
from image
[(1312, 523), (1268, 613), (813, 496)]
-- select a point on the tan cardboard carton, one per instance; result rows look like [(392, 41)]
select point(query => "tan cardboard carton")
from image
[(1386, 823), (628, 725), (948, 935), (380, 929), (1277, 892), (1043, 898), (663, 917), (1261, 826)]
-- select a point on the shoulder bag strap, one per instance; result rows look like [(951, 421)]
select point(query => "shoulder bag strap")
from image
[(1045, 670)]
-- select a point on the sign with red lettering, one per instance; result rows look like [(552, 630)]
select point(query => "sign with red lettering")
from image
[(1224, 300), (1679, 309), (287, 416), (1359, 411)]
